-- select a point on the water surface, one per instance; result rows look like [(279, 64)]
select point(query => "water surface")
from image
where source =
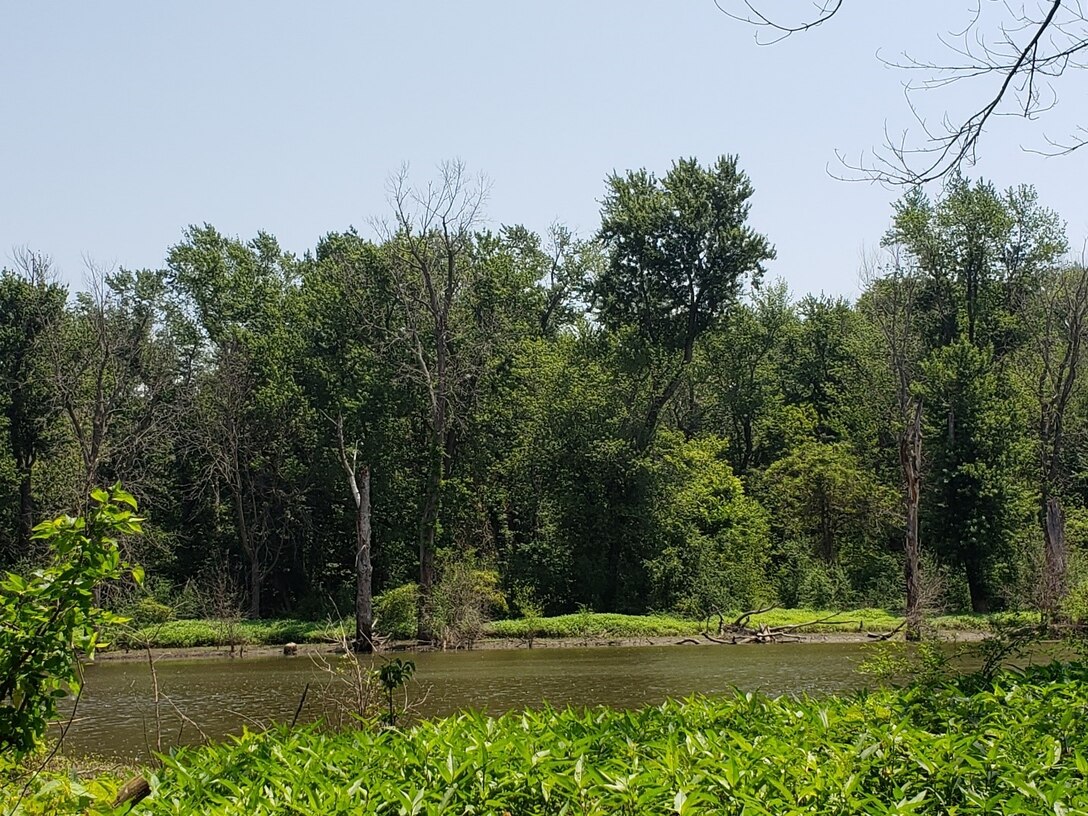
[(115, 716)]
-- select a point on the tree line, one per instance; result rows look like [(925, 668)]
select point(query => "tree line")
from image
[(633, 420)]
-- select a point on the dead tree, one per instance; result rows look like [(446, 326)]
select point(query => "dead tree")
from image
[(431, 270), (111, 372), (891, 307), (1056, 356), (358, 478)]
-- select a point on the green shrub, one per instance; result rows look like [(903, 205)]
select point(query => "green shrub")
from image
[(1075, 605), (462, 601), (48, 618), (146, 611), (396, 612)]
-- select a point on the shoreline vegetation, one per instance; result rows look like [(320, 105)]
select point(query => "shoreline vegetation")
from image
[(1010, 742), (190, 638)]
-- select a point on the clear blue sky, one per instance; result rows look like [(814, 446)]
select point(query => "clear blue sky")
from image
[(123, 122)]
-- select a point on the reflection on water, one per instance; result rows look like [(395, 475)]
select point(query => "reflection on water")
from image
[(115, 717)]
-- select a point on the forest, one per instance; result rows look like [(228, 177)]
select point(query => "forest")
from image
[(638, 419)]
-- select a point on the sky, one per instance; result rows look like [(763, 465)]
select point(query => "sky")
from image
[(122, 123)]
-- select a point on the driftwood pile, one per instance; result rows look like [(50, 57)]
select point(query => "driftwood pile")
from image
[(739, 631)]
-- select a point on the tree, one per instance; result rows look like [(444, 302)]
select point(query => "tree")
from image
[(1013, 54), (739, 374), (820, 493), (249, 419), (680, 253), (1053, 360), (976, 256), (348, 376), (560, 264), (31, 306), (431, 273), (113, 378), (891, 305), (975, 499)]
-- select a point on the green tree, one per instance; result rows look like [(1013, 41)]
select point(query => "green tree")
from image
[(680, 254), (710, 541), (975, 502), (249, 423), (30, 307)]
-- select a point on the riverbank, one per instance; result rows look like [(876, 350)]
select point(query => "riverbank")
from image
[(189, 639)]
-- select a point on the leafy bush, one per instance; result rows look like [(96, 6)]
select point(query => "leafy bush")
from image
[(396, 611), (712, 551), (145, 611), (1075, 605), (49, 618)]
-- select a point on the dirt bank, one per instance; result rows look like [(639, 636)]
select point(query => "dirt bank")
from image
[(691, 642)]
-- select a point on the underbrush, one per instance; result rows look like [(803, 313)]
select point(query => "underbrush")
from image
[(1015, 744)]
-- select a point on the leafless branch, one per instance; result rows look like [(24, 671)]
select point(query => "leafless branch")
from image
[(1014, 64)]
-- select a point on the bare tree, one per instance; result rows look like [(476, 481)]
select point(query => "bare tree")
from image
[(358, 478), (431, 269), (111, 376), (890, 304), (1011, 54), (1055, 356)]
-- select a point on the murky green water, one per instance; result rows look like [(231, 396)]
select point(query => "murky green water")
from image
[(115, 716)]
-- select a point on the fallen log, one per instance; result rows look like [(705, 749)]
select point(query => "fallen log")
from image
[(886, 635), (740, 622)]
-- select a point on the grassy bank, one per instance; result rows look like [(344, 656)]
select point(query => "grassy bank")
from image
[(592, 626), (1016, 745)]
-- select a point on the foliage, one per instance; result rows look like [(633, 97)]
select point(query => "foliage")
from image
[(395, 611), (393, 675), (1013, 745), (56, 790), (176, 634), (630, 421), (49, 619), (712, 553), (461, 603)]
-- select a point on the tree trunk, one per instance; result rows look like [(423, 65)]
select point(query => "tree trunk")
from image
[(364, 571), (428, 529), (910, 461), (249, 549), (26, 508), (1056, 563), (976, 585)]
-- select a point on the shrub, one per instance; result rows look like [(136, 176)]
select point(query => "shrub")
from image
[(145, 611), (49, 618), (461, 603), (396, 612)]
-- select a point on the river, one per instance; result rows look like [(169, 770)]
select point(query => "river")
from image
[(115, 717)]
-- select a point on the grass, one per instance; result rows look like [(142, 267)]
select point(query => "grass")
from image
[(1016, 744), (591, 625), (178, 634), (579, 625)]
